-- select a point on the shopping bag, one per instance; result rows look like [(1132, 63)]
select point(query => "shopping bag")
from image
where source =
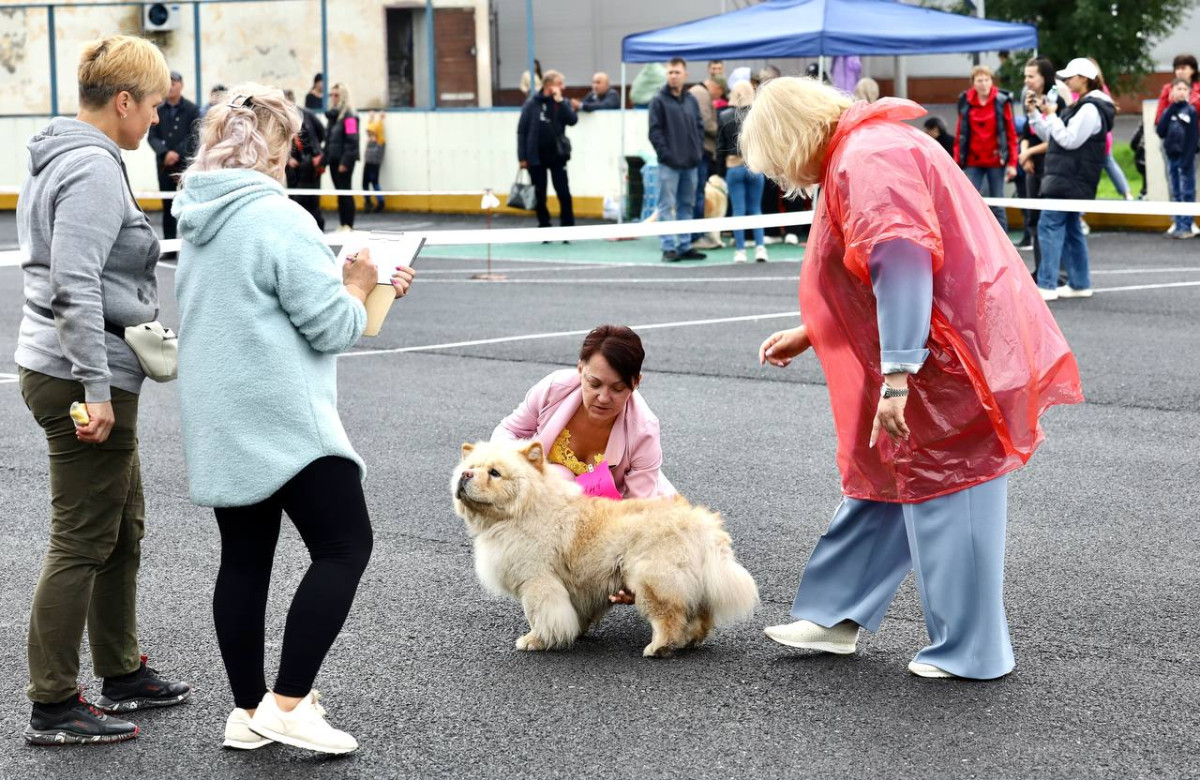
[(522, 195), (598, 481)]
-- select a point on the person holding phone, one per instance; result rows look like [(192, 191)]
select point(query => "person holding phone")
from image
[(264, 311), (543, 148)]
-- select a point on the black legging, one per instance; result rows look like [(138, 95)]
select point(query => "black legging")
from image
[(344, 181), (325, 502)]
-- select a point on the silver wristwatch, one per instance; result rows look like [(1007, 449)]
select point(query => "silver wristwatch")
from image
[(892, 392)]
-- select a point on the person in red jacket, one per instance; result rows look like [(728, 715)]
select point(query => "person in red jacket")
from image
[(1185, 67), (985, 143)]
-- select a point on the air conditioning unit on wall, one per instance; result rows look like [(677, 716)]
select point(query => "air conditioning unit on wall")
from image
[(160, 17)]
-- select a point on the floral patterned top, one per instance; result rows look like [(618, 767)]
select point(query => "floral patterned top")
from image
[(562, 454)]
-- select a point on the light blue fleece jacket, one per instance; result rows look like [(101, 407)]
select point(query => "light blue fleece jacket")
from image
[(263, 314)]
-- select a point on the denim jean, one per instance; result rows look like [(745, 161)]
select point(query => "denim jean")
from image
[(370, 178), (1181, 175), (702, 171), (1062, 240), (745, 192), (990, 184), (676, 191), (1117, 176)]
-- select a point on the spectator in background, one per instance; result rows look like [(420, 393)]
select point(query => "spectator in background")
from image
[(745, 186), (315, 99), (215, 95), (1074, 160), (705, 93), (1039, 83), (1111, 167), (677, 134), (767, 73), (1185, 68), (1177, 128), (173, 140), (373, 161), (985, 144), (866, 89), (538, 79), (720, 100), (602, 97), (936, 128), (543, 148), (304, 168), (716, 69), (341, 150)]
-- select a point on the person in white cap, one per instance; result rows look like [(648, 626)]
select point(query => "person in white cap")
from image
[(1074, 161)]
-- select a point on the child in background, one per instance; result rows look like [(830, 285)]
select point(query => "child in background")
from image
[(1177, 128), (376, 146)]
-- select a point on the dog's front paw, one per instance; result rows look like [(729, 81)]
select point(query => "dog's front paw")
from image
[(658, 651), (530, 642)]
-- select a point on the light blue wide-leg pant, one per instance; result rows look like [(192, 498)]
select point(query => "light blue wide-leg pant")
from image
[(954, 543)]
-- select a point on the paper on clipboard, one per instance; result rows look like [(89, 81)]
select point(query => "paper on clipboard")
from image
[(389, 248)]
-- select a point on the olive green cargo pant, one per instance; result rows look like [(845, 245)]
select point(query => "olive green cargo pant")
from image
[(97, 520)]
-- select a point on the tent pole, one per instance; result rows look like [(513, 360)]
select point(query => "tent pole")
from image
[(622, 169), (820, 67)]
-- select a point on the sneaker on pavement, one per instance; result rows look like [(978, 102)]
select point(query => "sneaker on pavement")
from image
[(304, 727), (807, 635), (76, 722), (238, 734), (1067, 291), (739, 256), (670, 256), (792, 239), (141, 689), (1085, 227), (760, 253), (692, 254), (1048, 295), (1185, 234), (930, 671), (706, 243)]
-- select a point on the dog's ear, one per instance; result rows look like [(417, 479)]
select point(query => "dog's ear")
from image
[(534, 453), (467, 449)]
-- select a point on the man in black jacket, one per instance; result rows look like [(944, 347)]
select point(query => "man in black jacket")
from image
[(304, 166), (677, 134), (173, 140), (543, 148)]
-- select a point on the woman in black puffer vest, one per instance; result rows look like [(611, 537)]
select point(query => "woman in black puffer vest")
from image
[(1074, 160), (341, 149)]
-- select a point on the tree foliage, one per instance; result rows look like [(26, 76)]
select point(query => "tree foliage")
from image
[(1118, 34)]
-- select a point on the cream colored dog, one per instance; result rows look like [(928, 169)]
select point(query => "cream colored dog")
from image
[(538, 539)]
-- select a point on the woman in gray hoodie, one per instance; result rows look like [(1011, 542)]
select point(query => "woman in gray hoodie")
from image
[(90, 256)]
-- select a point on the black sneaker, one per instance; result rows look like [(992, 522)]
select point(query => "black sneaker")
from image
[(75, 723), (139, 690), (692, 254), (670, 256)]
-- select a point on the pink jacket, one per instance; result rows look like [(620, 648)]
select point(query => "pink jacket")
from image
[(633, 452)]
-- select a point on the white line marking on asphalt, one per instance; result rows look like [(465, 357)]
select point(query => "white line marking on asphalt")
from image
[(7, 378), (625, 280), (559, 334), (1146, 287)]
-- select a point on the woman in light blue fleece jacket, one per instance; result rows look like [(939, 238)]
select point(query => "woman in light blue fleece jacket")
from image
[(264, 311)]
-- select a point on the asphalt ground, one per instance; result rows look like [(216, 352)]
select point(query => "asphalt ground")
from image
[(1102, 581)]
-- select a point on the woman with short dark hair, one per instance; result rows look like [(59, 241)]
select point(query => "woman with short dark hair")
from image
[(593, 416)]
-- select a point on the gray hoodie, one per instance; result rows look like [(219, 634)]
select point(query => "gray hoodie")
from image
[(89, 255)]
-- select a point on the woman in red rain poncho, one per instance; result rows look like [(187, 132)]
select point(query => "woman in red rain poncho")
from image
[(940, 357)]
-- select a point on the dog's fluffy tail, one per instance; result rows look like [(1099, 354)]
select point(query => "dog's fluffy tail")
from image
[(729, 589)]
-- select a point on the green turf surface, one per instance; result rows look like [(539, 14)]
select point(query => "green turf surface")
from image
[(642, 251)]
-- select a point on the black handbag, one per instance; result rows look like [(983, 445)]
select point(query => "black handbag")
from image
[(563, 145), (522, 194)]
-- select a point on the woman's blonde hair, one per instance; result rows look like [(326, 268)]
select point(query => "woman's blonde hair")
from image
[(742, 95), (343, 106), (866, 89), (980, 70), (788, 128), (121, 63), (252, 129)]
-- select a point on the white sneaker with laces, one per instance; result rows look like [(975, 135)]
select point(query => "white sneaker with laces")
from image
[(760, 253), (1067, 291), (930, 671), (1048, 295), (792, 239), (304, 727), (739, 256), (238, 734), (807, 635)]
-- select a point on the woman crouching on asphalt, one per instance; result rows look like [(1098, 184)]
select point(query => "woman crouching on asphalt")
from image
[(264, 311), (940, 357)]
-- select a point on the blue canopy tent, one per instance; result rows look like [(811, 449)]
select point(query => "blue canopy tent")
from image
[(821, 28)]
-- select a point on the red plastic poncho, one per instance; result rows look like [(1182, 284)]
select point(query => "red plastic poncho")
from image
[(997, 358)]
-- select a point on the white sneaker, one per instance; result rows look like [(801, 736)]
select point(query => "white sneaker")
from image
[(238, 734), (929, 670), (739, 256), (791, 238), (760, 253), (304, 727), (807, 635), (1048, 295), (1084, 226), (1067, 291), (706, 242)]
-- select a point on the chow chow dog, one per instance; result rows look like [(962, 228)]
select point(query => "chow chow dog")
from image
[(538, 539)]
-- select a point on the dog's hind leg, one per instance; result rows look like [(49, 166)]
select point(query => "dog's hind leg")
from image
[(553, 621), (699, 626), (668, 620)]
